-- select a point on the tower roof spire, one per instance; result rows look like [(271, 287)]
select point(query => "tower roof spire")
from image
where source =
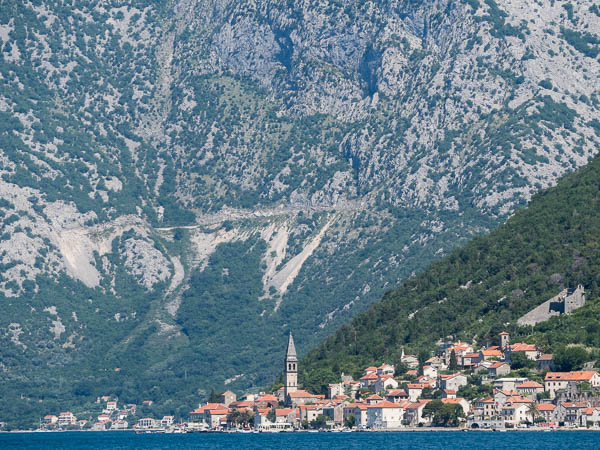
[(291, 349)]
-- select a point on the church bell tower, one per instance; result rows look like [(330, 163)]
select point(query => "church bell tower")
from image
[(291, 369)]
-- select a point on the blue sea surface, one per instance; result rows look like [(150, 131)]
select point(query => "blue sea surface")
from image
[(309, 441)]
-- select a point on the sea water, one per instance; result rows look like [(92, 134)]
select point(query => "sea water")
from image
[(310, 441)]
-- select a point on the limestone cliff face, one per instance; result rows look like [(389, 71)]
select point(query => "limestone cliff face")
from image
[(351, 142)]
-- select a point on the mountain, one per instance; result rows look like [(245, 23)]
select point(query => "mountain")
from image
[(182, 182), (485, 286)]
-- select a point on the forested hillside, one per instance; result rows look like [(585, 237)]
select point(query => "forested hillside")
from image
[(483, 287)]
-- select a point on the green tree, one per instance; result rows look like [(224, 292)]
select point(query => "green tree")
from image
[(443, 414), (533, 410), (432, 408), (518, 360), (240, 418), (453, 361), (213, 397), (570, 358), (350, 422), (271, 415), (319, 422)]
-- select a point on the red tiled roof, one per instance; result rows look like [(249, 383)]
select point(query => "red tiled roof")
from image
[(490, 352), (242, 404), (396, 393), (579, 405), (530, 384), (518, 399), (581, 375), (302, 394), (522, 347), (497, 364), (385, 404), (546, 407), (545, 357), (360, 406), (371, 376), (417, 404), (452, 400)]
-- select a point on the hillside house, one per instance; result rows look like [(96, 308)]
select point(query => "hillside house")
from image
[(384, 415), (484, 408), (546, 362), (546, 410), (119, 425), (166, 421), (430, 372), (413, 412), (530, 351), (516, 410), (359, 411), (499, 369), (571, 413), (368, 380), (384, 382), (308, 413), (301, 397), (414, 391), (491, 354), (592, 417), (334, 411), (385, 369), (555, 381), (452, 382), (66, 419), (471, 360), (50, 419), (372, 399), (396, 395), (509, 384), (448, 393), (335, 389), (530, 389), (147, 422)]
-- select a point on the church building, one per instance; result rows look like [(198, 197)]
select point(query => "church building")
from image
[(291, 369)]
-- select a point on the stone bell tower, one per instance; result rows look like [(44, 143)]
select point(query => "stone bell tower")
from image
[(291, 369)]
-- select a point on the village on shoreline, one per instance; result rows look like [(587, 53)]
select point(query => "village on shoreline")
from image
[(460, 388)]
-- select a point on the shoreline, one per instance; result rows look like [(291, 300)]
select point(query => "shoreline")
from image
[(396, 430)]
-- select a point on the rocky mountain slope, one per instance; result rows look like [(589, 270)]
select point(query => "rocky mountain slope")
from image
[(484, 288), (181, 182)]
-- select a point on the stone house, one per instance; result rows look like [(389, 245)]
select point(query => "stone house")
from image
[(385, 415), (530, 389), (499, 369), (555, 381), (453, 382)]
